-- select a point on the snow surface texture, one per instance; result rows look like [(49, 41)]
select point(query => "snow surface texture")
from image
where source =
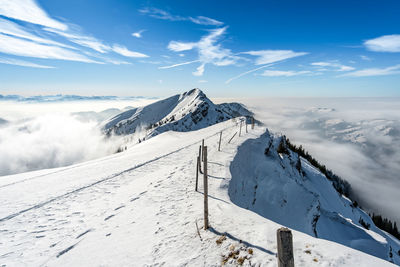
[(189, 111), (139, 208)]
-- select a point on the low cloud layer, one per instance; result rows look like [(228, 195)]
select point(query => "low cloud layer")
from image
[(35, 135), (50, 141), (358, 138)]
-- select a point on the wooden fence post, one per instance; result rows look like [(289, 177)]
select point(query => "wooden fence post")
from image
[(246, 124), (285, 247), (240, 130), (197, 172), (220, 137), (252, 123), (202, 148), (200, 155), (205, 190)]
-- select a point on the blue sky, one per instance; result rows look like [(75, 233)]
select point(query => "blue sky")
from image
[(227, 48)]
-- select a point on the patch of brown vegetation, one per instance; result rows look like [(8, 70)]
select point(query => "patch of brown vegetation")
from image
[(221, 239), (241, 260)]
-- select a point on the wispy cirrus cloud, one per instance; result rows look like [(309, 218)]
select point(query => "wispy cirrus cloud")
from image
[(374, 72), (178, 64), (363, 57), (10, 28), (180, 46), (165, 15), (122, 50), (29, 11), (332, 65), (272, 56), (12, 61), (385, 43), (95, 44), (20, 47), (267, 58), (138, 34), (19, 37), (209, 50), (246, 72), (81, 39), (287, 73), (201, 20)]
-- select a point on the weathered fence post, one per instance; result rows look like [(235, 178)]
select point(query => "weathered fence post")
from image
[(246, 124), (200, 155), (202, 148), (205, 181), (240, 130), (252, 123), (197, 172), (285, 247), (219, 145)]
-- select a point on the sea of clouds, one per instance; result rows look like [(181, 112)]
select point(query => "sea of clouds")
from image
[(358, 138), (46, 134)]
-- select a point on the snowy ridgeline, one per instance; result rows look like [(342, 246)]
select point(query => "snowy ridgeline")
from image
[(139, 207), (189, 111)]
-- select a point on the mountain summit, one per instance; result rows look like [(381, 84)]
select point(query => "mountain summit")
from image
[(188, 111)]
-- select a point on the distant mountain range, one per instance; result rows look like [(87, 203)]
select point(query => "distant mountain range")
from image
[(61, 98)]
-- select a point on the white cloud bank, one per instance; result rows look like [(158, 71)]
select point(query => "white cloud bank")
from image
[(57, 132), (50, 141), (386, 43), (358, 138)]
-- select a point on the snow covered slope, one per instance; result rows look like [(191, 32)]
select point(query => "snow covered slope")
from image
[(189, 111), (294, 193), (139, 208)]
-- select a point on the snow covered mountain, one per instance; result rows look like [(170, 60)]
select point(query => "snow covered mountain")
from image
[(189, 111), (139, 207)]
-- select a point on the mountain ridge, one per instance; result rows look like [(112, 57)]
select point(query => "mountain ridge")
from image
[(191, 110)]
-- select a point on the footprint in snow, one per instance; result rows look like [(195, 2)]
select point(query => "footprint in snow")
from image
[(120, 207), (109, 217), (84, 233)]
